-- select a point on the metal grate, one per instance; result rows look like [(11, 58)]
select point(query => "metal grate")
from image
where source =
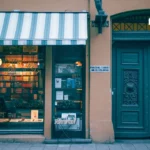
[(131, 23)]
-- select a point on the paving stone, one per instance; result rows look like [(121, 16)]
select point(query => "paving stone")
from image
[(77, 147), (10, 146), (36, 148), (38, 144), (50, 147), (3, 145), (63, 146), (102, 147), (23, 148), (140, 146), (25, 145), (114, 147), (147, 145), (13, 145), (89, 147), (127, 147)]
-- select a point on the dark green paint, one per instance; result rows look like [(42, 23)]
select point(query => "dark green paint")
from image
[(132, 120), (68, 54)]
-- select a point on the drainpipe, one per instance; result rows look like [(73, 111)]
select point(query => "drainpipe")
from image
[(89, 40)]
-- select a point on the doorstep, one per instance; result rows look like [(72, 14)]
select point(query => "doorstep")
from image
[(67, 141), (141, 141), (23, 138)]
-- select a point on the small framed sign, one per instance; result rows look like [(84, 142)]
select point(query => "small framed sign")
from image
[(34, 114), (59, 95), (95, 68), (57, 82), (30, 49)]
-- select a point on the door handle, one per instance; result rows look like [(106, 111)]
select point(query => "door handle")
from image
[(113, 91)]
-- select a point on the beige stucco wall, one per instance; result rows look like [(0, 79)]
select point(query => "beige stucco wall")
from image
[(101, 128), (44, 5), (100, 95)]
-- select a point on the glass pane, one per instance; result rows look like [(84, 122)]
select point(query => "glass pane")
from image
[(68, 96), (21, 85)]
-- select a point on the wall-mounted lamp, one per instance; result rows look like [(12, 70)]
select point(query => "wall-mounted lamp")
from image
[(78, 63), (100, 18), (1, 61)]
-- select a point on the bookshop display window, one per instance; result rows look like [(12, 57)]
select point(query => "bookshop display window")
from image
[(69, 92), (21, 85)]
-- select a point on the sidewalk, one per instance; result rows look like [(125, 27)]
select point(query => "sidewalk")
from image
[(93, 146)]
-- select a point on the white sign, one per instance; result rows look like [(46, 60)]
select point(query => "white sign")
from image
[(34, 114), (57, 82), (65, 97), (95, 68), (68, 116), (59, 95)]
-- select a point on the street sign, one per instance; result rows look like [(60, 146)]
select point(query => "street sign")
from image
[(98, 68)]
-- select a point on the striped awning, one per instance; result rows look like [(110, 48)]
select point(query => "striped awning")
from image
[(19, 28)]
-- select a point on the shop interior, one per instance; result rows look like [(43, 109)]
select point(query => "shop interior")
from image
[(22, 77)]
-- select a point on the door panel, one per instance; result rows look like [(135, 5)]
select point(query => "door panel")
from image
[(68, 107), (130, 103)]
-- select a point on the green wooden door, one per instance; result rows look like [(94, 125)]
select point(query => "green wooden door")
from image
[(130, 90)]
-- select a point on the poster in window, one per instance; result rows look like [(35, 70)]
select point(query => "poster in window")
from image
[(57, 82), (34, 114), (30, 49), (65, 68), (59, 95)]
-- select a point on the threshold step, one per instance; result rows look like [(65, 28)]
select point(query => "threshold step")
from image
[(67, 141), (132, 141)]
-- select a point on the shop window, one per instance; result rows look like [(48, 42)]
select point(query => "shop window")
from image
[(68, 92), (21, 84)]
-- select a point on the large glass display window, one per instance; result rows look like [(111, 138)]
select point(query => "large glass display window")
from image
[(22, 72)]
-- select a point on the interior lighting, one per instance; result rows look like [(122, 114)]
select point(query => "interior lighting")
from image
[(1, 62)]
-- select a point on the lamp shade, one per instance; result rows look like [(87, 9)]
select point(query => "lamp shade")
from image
[(1, 62)]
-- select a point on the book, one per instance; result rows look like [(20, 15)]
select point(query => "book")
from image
[(70, 83)]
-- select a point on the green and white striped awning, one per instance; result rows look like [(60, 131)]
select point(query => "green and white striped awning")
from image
[(21, 28)]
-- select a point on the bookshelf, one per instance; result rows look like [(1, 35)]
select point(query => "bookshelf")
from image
[(22, 76), (68, 96)]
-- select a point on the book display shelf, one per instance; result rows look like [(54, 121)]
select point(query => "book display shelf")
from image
[(68, 97), (22, 83), (68, 92)]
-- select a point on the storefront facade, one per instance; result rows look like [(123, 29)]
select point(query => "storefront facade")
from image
[(45, 69), (36, 61)]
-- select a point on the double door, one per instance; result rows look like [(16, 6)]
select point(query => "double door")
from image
[(131, 89)]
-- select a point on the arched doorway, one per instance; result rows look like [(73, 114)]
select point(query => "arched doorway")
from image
[(131, 74)]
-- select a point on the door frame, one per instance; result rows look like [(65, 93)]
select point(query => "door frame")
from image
[(137, 35), (70, 60), (114, 82)]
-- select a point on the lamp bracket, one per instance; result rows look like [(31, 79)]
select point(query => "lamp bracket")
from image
[(101, 17), (100, 21), (94, 24)]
